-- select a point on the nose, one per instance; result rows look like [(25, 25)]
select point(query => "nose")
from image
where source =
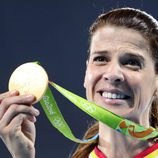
[(113, 74)]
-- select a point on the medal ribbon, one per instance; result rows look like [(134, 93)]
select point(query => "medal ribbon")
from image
[(112, 120)]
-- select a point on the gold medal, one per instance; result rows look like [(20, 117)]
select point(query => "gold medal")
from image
[(29, 78)]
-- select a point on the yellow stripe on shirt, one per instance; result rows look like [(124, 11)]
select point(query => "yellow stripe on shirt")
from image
[(154, 154), (93, 155)]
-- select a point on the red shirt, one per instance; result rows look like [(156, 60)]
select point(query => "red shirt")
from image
[(151, 152)]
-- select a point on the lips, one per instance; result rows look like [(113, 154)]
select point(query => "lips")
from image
[(114, 97)]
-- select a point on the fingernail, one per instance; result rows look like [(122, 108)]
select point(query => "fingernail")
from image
[(13, 92), (33, 119), (30, 96), (37, 112)]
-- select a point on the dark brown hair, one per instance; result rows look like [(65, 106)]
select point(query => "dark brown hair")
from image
[(146, 25)]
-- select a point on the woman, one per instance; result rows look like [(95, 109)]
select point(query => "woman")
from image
[(121, 76)]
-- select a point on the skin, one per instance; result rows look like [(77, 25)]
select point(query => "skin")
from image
[(17, 129), (120, 62)]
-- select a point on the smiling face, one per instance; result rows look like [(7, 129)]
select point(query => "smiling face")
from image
[(120, 72)]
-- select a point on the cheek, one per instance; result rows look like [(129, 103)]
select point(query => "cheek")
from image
[(143, 87), (141, 80), (89, 77), (89, 81), (92, 76), (148, 83), (140, 86)]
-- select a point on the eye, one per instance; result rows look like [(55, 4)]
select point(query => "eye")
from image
[(100, 59), (133, 64)]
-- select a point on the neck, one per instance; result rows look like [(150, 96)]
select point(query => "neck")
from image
[(114, 144)]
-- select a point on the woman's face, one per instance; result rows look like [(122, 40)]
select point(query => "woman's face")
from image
[(120, 72)]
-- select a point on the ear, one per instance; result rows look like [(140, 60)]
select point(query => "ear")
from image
[(85, 80)]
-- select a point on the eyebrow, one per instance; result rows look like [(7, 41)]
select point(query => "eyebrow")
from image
[(100, 52), (131, 55), (96, 52), (126, 54)]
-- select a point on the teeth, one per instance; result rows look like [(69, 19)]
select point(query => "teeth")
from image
[(109, 95), (113, 95)]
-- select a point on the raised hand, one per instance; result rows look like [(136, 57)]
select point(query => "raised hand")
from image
[(17, 129)]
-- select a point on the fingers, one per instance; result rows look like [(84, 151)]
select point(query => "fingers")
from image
[(14, 110), (18, 120), (14, 106), (7, 102), (17, 117), (8, 94), (15, 126)]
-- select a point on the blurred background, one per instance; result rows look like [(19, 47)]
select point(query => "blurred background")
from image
[(55, 33)]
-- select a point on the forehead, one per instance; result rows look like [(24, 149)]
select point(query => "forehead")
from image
[(117, 38)]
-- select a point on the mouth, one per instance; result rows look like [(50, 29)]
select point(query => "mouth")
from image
[(116, 100), (114, 94), (110, 95)]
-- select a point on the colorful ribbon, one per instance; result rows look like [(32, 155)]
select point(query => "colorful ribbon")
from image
[(112, 120)]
